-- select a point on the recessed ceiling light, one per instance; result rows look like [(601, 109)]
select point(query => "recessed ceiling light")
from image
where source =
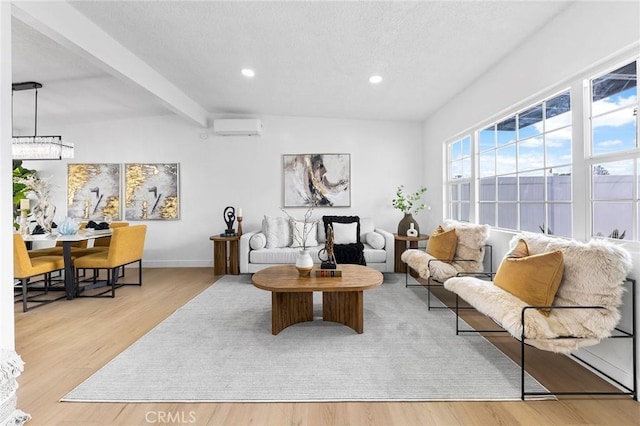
[(375, 79), (248, 72)]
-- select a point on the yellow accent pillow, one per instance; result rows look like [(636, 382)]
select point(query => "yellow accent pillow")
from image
[(534, 279), (442, 244)]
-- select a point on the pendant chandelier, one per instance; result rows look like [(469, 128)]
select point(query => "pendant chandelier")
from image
[(37, 147)]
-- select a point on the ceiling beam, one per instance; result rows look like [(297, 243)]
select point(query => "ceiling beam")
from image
[(67, 26)]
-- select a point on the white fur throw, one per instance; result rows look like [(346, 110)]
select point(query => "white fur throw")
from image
[(594, 273), (11, 366), (468, 257)]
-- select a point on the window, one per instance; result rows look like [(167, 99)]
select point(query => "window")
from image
[(459, 179), (615, 158), (524, 169), (614, 111), (517, 172), (613, 198)]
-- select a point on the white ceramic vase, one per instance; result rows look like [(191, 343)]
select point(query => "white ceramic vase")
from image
[(412, 231), (304, 263)]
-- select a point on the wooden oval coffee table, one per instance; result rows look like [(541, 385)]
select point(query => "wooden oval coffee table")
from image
[(292, 295)]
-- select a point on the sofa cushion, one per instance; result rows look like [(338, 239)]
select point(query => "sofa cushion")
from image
[(342, 219), (281, 255), (277, 230), (258, 241), (442, 244), (532, 278), (350, 252), (290, 254), (345, 233), (372, 255), (298, 231), (375, 240)]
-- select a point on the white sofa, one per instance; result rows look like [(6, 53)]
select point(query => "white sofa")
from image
[(379, 258)]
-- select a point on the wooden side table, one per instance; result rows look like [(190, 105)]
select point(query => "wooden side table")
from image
[(401, 245), (220, 255)]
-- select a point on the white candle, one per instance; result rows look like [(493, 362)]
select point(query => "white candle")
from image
[(24, 204), (240, 212)]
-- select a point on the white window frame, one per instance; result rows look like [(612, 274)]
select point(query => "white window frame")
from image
[(450, 182), (592, 160), (517, 173)]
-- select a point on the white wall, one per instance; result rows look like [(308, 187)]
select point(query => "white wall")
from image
[(584, 35), (244, 171)]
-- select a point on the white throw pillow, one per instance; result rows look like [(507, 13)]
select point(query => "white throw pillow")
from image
[(375, 240), (277, 231), (258, 241), (345, 233), (297, 233)]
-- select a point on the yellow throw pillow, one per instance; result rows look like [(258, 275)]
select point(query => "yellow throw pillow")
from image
[(442, 244), (534, 279)]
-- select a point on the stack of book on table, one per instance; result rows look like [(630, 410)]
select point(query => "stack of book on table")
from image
[(321, 272)]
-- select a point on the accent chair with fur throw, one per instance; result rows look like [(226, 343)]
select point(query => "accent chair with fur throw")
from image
[(468, 249), (591, 274)]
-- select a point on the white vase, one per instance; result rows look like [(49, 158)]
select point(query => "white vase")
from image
[(412, 231), (304, 263)]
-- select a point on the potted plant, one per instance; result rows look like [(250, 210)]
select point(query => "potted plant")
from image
[(20, 189), (409, 205), (304, 262)]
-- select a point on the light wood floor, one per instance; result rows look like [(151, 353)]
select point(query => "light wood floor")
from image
[(65, 342)]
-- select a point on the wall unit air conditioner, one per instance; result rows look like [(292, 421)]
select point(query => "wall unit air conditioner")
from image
[(237, 127)]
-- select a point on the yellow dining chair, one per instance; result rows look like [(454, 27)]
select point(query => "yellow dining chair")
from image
[(25, 268), (105, 241), (126, 247), (102, 243)]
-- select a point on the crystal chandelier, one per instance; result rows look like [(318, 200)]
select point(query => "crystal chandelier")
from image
[(38, 147)]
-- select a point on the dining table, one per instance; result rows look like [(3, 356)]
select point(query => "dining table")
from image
[(67, 241)]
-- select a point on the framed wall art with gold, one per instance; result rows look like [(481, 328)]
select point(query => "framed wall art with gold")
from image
[(151, 191), (93, 191)]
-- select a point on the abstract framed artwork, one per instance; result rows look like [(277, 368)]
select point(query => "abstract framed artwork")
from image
[(151, 191), (316, 179), (93, 191)]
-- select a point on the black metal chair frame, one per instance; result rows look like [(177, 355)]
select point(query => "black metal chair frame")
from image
[(27, 284), (432, 282), (111, 281), (621, 334)]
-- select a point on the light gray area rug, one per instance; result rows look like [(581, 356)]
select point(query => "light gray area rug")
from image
[(219, 347)]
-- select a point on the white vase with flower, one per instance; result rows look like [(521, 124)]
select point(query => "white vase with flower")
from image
[(301, 230)]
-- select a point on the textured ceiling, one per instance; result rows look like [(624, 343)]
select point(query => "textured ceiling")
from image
[(310, 58)]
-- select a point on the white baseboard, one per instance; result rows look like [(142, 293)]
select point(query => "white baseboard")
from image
[(623, 374), (177, 263)]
